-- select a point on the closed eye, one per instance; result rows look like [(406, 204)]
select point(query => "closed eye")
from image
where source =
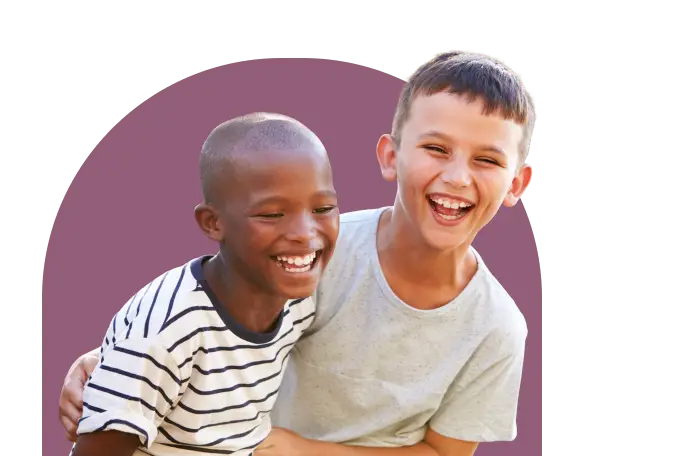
[(488, 160), (324, 210), (270, 216), (435, 149)]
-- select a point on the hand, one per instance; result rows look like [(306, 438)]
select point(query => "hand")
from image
[(283, 442), (71, 397)]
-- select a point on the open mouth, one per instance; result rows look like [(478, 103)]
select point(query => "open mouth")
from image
[(449, 209), (298, 264)]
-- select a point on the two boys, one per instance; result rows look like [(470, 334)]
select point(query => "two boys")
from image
[(414, 343)]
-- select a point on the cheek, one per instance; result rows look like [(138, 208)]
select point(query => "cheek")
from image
[(493, 186), (416, 171), (330, 228), (257, 237)]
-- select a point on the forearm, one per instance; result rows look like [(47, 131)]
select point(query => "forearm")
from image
[(106, 443), (337, 449)]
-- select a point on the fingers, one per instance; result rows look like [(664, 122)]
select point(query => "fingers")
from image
[(71, 398), (69, 411), (88, 364), (69, 426), (71, 406), (81, 369)]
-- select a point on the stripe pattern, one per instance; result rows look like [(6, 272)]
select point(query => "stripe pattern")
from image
[(176, 370)]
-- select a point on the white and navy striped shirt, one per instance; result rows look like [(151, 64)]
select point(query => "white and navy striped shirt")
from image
[(179, 372)]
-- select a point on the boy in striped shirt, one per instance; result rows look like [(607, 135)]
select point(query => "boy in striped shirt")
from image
[(193, 362)]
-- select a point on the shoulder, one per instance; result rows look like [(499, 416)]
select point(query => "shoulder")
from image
[(300, 311), (357, 232), (360, 217), (506, 325), (162, 303), (363, 220), (355, 246)]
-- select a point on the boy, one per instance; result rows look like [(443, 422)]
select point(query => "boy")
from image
[(415, 346), (193, 362)]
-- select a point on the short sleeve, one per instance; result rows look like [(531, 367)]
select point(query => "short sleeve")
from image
[(134, 386), (481, 405)]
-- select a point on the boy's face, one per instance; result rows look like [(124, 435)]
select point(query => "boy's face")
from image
[(455, 166), (279, 221)]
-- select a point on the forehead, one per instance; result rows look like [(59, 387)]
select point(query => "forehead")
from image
[(462, 120), (286, 174)]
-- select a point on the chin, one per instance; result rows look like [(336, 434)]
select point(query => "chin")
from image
[(296, 292), (443, 239)]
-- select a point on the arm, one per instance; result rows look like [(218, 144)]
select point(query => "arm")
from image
[(481, 405), (133, 372), (434, 444), (107, 443), (283, 442), (71, 397)]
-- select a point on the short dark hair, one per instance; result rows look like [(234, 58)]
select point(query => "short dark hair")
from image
[(477, 77), (254, 132)]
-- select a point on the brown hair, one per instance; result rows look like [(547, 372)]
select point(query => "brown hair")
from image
[(475, 76)]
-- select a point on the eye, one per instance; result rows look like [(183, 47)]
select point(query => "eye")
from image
[(270, 216), (488, 160), (438, 149), (324, 210)]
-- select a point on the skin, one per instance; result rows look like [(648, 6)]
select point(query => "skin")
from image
[(278, 203), (448, 147)]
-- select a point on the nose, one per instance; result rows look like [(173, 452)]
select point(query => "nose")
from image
[(302, 228), (457, 173)]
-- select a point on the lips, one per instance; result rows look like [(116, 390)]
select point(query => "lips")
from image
[(449, 209)]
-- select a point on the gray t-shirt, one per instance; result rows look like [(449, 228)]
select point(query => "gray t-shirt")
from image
[(373, 371)]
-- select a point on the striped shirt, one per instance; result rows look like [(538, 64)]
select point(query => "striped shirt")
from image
[(179, 372)]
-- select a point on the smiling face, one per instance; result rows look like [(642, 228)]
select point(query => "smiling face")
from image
[(278, 220), (455, 167)]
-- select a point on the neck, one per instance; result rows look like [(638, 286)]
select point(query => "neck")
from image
[(402, 250), (253, 309)]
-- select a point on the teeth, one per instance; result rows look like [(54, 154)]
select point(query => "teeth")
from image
[(302, 269), (450, 204), (298, 261)]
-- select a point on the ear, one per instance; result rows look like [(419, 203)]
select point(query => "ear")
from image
[(387, 157), (208, 220), (518, 186)]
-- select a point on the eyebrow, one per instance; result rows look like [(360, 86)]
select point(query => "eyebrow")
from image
[(279, 199), (440, 135)]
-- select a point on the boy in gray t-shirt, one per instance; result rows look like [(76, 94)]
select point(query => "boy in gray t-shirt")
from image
[(374, 370), (415, 345)]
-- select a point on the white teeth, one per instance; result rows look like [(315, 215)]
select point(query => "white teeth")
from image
[(450, 204), (302, 269), (298, 261)]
